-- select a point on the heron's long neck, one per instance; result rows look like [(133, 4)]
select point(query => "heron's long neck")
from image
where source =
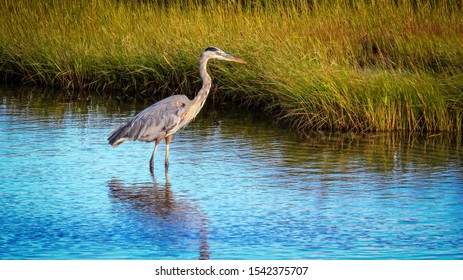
[(207, 81)]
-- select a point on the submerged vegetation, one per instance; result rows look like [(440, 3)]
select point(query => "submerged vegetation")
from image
[(326, 65)]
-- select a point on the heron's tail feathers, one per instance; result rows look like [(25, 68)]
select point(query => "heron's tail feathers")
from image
[(118, 136), (139, 128)]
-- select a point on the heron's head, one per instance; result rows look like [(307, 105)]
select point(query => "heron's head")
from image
[(216, 53)]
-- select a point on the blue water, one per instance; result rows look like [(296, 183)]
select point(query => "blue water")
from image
[(238, 187)]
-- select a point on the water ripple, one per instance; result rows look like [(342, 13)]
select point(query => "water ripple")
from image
[(238, 188)]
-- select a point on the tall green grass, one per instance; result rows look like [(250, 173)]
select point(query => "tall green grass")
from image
[(325, 65)]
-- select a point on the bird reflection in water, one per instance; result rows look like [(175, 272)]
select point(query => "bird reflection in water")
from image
[(159, 202)]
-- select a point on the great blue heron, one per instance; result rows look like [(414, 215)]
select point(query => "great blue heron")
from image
[(165, 117)]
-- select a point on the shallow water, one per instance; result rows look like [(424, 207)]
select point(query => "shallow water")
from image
[(239, 187)]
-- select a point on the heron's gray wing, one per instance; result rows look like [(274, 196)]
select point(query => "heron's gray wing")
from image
[(155, 122), (162, 116)]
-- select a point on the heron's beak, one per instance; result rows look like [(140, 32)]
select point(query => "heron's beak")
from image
[(229, 57)]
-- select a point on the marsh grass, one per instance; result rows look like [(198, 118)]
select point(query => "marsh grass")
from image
[(324, 65)]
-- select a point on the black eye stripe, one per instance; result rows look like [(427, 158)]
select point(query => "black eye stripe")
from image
[(212, 49)]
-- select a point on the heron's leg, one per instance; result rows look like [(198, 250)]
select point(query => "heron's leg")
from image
[(168, 139), (152, 157)]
